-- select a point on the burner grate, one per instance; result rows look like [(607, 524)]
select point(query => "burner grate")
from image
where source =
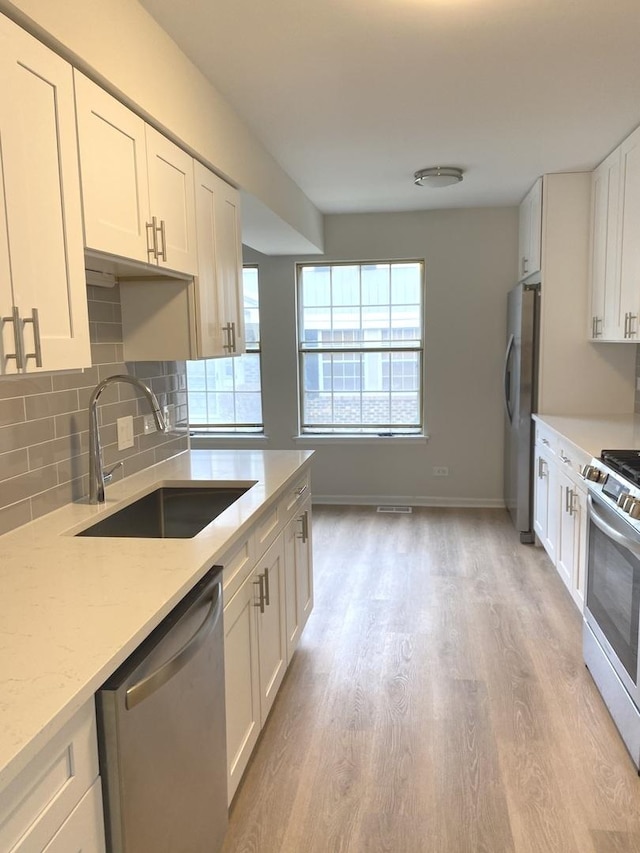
[(624, 462)]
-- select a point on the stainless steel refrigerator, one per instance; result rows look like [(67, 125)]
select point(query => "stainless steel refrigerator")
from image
[(520, 401)]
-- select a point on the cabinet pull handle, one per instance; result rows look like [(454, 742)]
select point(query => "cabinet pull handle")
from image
[(540, 468), (227, 331), (632, 318), (525, 266), (37, 347), (233, 337), (305, 526), (152, 231), (260, 584), (572, 503), (266, 587), (17, 337), (545, 441), (594, 327), (301, 490), (162, 253)]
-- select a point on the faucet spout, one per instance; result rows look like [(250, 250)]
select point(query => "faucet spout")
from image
[(97, 476)]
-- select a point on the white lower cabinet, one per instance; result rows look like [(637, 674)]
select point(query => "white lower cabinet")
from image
[(298, 575), (55, 803), (547, 501), (560, 509), (82, 831), (268, 601), (242, 681)]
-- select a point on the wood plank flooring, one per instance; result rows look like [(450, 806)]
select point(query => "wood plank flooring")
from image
[(438, 703)]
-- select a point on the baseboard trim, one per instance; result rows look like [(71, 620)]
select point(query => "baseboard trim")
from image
[(375, 500)]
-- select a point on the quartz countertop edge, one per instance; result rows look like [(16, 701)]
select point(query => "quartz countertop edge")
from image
[(73, 609), (595, 433)]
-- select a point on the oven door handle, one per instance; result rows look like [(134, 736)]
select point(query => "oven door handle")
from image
[(613, 533)]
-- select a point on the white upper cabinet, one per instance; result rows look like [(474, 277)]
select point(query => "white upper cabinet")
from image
[(42, 283), (220, 314), (615, 249), (630, 237), (530, 232), (137, 186)]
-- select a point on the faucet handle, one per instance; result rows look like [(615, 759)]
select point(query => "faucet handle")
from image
[(107, 477)]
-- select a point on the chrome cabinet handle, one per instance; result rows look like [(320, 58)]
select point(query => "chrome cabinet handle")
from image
[(305, 526), (525, 265), (37, 347), (162, 253), (155, 680), (233, 337), (152, 232), (260, 583), (565, 459), (266, 587), (545, 441), (631, 333), (301, 490), (540, 468), (227, 331), (17, 337)]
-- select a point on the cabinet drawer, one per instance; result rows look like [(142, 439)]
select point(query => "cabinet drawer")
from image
[(547, 438), (38, 801), (238, 564), (295, 497), (571, 459)]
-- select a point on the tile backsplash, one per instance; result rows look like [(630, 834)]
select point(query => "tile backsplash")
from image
[(44, 439)]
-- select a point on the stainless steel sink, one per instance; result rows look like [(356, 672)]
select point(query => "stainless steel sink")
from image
[(170, 512)]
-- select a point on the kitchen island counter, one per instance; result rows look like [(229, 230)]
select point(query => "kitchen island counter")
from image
[(73, 608)]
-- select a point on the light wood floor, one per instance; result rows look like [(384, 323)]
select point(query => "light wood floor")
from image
[(438, 703)]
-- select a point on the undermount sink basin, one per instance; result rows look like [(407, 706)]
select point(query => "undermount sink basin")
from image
[(169, 512)]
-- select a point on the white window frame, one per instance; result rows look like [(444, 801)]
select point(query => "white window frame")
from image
[(416, 346)]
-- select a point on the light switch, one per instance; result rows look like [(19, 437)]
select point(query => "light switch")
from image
[(125, 432)]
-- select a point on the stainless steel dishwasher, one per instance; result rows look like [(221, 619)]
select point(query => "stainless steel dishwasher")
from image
[(162, 733)]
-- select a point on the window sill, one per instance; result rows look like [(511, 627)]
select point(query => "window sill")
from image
[(201, 441), (311, 440)]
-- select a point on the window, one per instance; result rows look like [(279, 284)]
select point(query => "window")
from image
[(225, 394), (361, 348)]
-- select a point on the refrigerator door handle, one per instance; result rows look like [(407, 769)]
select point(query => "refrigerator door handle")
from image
[(507, 382)]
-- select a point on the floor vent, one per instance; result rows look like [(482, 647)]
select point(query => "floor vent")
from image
[(400, 509)]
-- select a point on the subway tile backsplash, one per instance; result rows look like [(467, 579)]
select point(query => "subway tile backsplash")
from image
[(44, 439)]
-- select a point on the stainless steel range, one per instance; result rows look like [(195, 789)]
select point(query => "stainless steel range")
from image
[(611, 628)]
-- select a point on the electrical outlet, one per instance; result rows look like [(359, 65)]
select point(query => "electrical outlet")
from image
[(169, 412), (440, 471), (125, 432), (148, 424)]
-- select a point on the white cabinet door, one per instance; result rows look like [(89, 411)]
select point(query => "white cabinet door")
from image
[(83, 830), (242, 681), (567, 545), (530, 232), (605, 251), (272, 633), (629, 237), (137, 186), (172, 202), (114, 173), (219, 304), (41, 221), (229, 262), (546, 502)]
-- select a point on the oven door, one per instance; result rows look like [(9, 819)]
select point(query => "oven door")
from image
[(612, 603)]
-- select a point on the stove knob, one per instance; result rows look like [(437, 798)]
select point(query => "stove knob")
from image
[(590, 472), (625, 501), (634, 508)]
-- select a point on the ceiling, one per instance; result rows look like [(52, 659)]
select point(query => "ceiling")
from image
[(353, 96)]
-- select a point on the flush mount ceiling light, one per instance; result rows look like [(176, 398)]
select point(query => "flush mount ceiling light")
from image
[(438, 176)]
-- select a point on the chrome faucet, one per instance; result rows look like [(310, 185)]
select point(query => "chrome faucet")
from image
[(97, 475)]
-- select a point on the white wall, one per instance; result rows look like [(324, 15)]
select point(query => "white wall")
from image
[(119, 44), (470, 261)]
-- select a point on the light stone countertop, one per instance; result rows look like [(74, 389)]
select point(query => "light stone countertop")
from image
[(72, 609), (595, 433)]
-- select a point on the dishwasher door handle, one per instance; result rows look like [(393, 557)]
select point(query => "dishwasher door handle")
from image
[(148, 685)]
